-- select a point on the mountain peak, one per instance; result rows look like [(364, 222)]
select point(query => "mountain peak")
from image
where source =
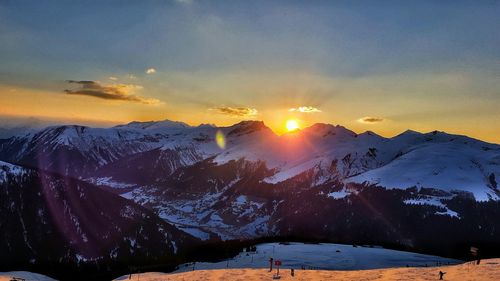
[(436, 132), (409, 133), (149, 125), (328, 129), (370, 133), (62, 134), (65, 129), (207, 125), (247, 127)]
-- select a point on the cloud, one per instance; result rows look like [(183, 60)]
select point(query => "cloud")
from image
[(236, 111), (131, 76), (112, 78), (122, 92), (305, 109), (150, 71), (370, 120)]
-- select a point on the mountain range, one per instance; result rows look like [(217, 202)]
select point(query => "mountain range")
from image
[(146, 190)]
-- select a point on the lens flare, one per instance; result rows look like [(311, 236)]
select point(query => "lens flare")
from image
[(220, 139)]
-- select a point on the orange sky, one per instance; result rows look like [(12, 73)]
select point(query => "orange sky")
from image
[(222, 62), (21, 102)]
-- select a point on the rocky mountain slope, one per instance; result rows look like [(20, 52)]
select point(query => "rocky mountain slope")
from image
[(51, 219)]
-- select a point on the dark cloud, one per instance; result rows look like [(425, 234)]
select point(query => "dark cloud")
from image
[(371, 120), (123, 92), (236, 111)]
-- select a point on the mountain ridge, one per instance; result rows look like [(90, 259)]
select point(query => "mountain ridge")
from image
[(172, 124), (324, 182), (173, 144)]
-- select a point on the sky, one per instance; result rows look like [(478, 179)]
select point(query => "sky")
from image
[(384, 66)]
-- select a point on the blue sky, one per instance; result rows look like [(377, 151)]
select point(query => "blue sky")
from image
[(418, 64)]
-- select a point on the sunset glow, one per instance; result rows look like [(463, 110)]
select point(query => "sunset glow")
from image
[(292, 125), (435, 74), (216, 135)]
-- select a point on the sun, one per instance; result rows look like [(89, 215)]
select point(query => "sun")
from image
[(292, 125)]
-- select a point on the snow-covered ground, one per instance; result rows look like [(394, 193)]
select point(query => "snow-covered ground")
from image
[(434, 201), (322, 256), (487, 270), (447, 166), (10, 169), (28, 276)]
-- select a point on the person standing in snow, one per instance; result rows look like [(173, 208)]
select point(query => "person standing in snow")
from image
[(271, 264), (441, 274), (292, 272)]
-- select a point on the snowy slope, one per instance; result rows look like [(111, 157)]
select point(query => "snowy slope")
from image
[(435, 160), (28, 276), (322, 256), (206, 199), (488, 270), (455, 164), (9, 170)]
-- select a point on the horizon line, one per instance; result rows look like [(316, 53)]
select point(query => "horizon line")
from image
[(112, 124)]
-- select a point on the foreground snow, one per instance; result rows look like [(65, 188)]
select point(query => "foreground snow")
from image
[(28, 276), (487, 270), (323, 256)]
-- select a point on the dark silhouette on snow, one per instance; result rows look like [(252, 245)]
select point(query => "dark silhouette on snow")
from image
[(271, 264), (441, 274)]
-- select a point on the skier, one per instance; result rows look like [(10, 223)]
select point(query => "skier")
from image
[(441, 274), (271, 264), (292, 272)]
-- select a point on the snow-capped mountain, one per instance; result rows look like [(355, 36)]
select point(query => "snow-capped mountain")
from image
[(322, 182), (155, 125), (442, 161), (155, 149)]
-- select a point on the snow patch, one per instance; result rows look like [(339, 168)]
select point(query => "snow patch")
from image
[(108, 181), (196, 232), (339, 194), (433, 201), (9, 169)]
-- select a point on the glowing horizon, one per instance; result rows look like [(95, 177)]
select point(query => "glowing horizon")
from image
[(213, 62)]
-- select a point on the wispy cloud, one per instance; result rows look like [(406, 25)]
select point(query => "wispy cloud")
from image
[(113, 78), (150, 71), (122, 92), (247, 112), (370, 120), (304, 109)]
